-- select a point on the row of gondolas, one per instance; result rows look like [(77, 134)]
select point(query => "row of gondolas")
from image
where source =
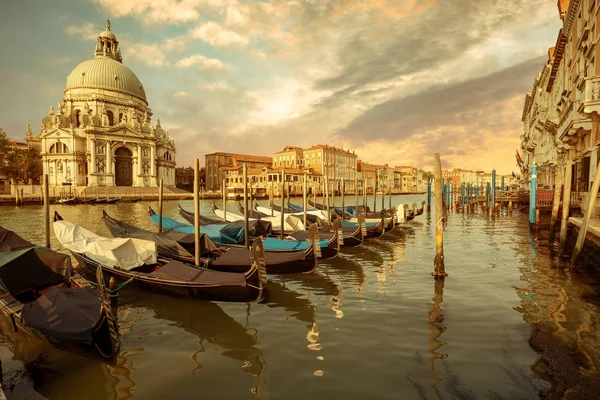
[(42, 294)]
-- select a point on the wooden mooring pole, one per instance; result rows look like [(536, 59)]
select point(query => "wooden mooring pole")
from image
[(282, 202), (556, 201), (197, 212), (225, 199), (160, 205), (428, 193), (305, 199), (246, 223), (438, 263), (587, 215), (566, 204), (46, 195), (533, 197)]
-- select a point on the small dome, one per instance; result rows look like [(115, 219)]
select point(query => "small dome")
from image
[(106, 73), (108, 34)]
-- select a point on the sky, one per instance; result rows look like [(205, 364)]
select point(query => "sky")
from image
[(395, 81)]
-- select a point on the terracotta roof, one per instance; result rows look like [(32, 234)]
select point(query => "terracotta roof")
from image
[(300, 171), (243, 157)]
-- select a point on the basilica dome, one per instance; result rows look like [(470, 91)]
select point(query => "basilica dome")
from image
[(106, 73)]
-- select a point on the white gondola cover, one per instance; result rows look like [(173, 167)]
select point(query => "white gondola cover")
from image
[(290, 223), (400, 214), (125, 253)]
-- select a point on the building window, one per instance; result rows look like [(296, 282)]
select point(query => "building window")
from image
[(111, 118), (58, 148)]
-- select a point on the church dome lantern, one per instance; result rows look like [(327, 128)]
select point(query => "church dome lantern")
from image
[(106, 70)]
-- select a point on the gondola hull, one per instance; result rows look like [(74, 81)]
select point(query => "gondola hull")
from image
[(251, 292)]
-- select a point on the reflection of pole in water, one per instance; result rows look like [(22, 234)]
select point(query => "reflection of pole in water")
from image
[(435, 321), (261, 387)]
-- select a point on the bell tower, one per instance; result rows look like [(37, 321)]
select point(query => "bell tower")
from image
[(107, 45)]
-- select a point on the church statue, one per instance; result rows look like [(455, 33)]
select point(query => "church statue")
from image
[(29, 133), (51, 110)]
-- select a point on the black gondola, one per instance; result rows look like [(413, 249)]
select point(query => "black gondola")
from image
[(277, 262), (169, 244), (179, 278), (42, 295)]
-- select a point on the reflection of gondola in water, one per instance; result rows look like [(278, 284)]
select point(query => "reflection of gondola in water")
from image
[(49, 371), (209, 322)]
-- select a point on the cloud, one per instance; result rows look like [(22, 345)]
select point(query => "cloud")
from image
[(201, 62), (150, 54), (214, 34), (180, 95), (87, 31), (167, 11)]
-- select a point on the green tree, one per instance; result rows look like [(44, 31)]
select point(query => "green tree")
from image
[(19, 164), (4, 152)]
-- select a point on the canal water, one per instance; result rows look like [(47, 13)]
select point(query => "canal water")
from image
[(369, 324)]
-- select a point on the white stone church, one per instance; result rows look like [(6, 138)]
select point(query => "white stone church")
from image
[(101, 133)]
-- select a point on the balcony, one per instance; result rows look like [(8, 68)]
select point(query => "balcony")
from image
[(591, 101)]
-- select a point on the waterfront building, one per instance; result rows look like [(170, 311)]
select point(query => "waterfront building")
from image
[(217, 165), (561, 114), (406, 178), (338, 164), (6, 183), (266, 181), (101, 132)]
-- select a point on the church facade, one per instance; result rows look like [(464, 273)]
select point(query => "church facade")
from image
[(101, 132)]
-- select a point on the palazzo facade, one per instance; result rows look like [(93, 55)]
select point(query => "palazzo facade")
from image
[(100, 133)]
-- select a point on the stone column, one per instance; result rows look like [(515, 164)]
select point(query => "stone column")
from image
[(139, 160), (92, 169), (108, 158), (152, 160)]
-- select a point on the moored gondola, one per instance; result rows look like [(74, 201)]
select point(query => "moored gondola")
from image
[(43, 295), (276, 262), (131, 260)]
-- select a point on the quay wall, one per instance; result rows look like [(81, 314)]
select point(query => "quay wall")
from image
[(589, 257)]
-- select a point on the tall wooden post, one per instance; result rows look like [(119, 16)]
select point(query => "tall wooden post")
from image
[(326, 198), (383, 195), (272, 198), (587, 215), (390, 198), (494, 189), (438, 263), (46, 195), (566, 204), (533, 196), (365, 194), (305, 199), (160, 205), (282, 202), (356, 191), (428, 192), (246, 224), (197, 212), (342, 190), (375, 187), (225, 199), (556, 201)]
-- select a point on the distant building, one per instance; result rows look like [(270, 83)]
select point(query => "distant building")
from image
[(406, 179), (266, 181), (336, 163), (217, 163)]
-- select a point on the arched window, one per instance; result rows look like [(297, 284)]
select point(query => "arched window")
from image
[(120, 117), (77, 114), (111, 118), (58, 148), (167, 156)]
